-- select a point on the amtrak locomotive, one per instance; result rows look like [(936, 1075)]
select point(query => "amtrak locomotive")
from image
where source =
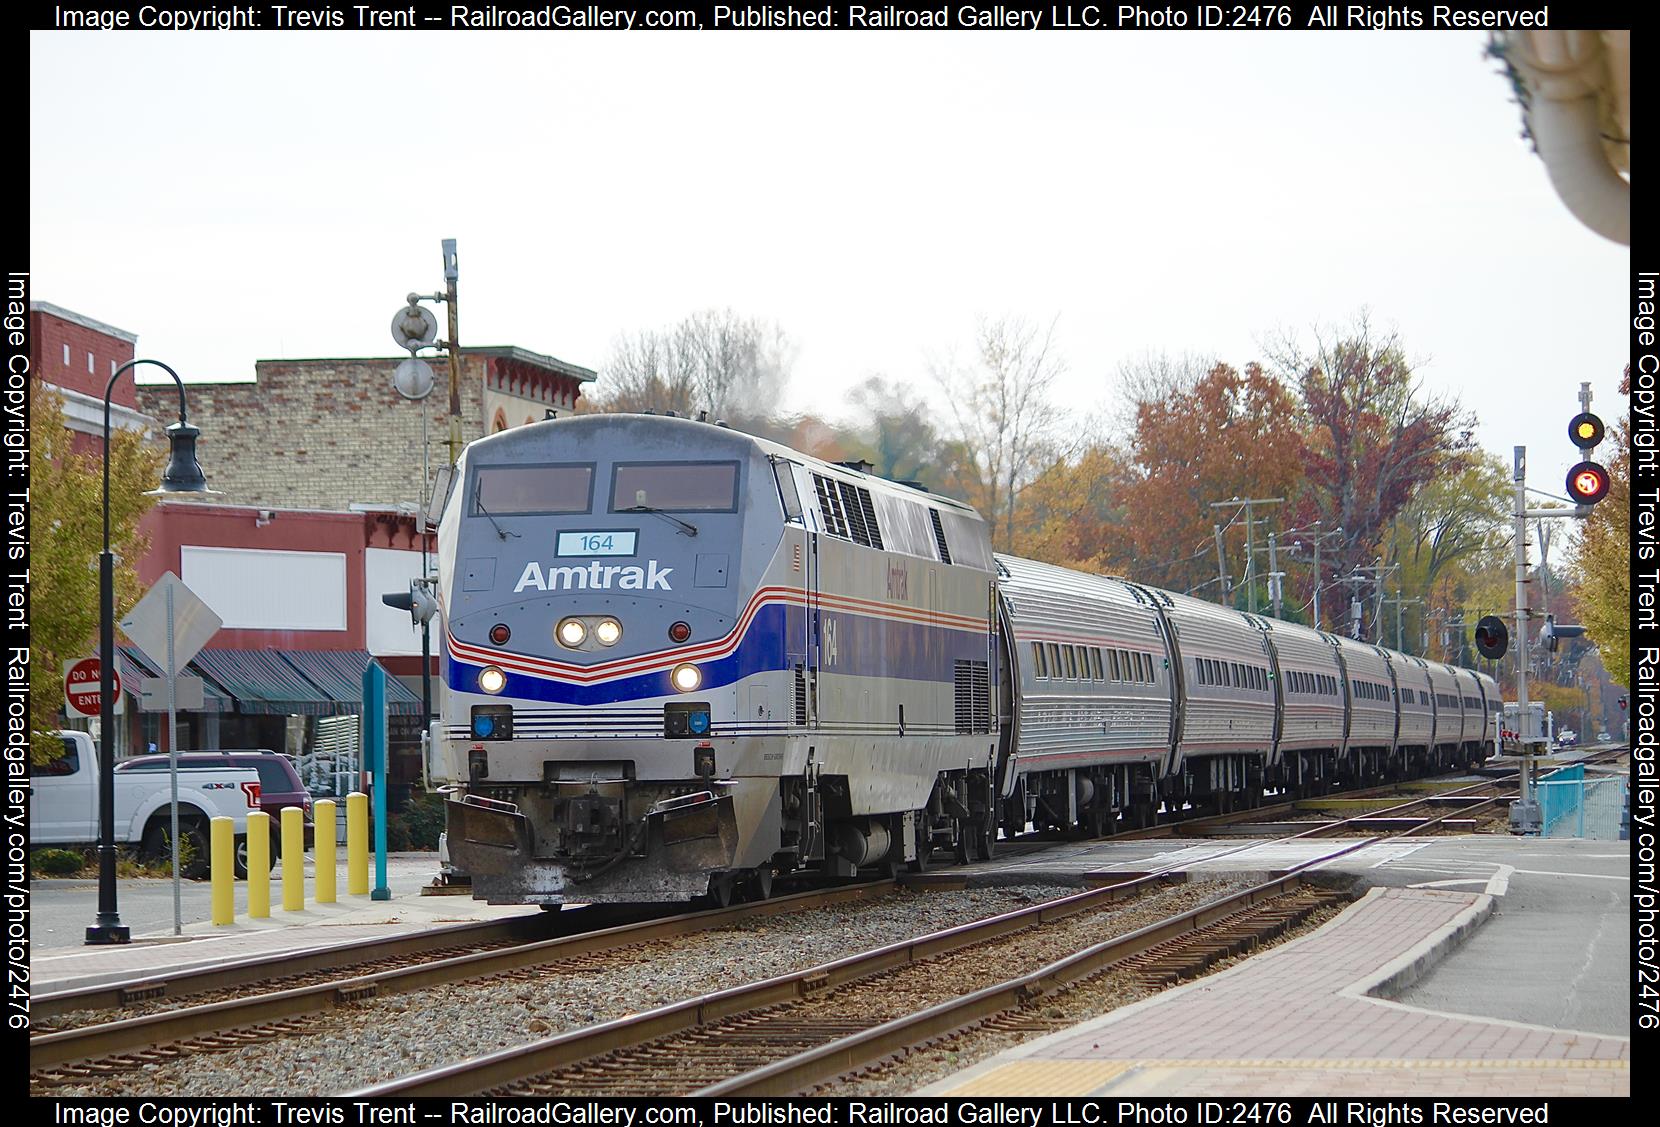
[(679, 660)]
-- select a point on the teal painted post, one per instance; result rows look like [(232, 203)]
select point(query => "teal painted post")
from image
[(374, 754)]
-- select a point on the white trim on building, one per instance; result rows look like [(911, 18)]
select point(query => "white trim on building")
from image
[(83, 413)]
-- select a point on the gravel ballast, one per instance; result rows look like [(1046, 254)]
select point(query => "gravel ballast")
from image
[(353, 1047)]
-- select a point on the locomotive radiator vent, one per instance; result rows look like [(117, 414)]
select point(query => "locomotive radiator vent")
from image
[(973, 685)]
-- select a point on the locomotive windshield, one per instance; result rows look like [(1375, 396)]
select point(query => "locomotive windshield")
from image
[(501, 490), (682, 487)]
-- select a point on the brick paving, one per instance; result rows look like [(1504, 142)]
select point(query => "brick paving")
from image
[(1296, 1020)]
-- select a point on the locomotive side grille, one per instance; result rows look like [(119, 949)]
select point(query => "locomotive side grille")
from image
[(973, 684), (939, 535), (855, 513), (870, 518), (829, 505), (800, 696)]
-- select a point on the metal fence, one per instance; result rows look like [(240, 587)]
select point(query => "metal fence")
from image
[(1572, 804)]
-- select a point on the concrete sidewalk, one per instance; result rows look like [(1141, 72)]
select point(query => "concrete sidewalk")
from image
[(350, 919), (1303, 1020)]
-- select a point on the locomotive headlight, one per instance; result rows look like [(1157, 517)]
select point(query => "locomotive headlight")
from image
[(491, 680), (607, 631), (572, 633), (686, 677)]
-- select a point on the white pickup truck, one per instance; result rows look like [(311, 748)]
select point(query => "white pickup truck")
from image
[(63, 808)]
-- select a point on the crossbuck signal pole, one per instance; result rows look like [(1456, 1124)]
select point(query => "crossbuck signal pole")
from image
[(1525, 815)]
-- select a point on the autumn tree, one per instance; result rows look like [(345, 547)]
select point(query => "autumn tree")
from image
[(1071, 515), (1227, 434), (66, 535), (1602, 564), (1374, 435), (1453, 527), (1003, 417)]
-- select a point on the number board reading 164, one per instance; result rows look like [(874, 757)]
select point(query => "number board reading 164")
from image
[(596, 544)]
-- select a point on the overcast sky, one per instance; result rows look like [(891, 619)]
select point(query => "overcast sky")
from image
[(239, 196)]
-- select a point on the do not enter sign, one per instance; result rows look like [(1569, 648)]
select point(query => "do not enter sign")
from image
[(81, 687)]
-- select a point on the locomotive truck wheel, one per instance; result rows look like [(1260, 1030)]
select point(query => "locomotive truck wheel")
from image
[(723, 889)]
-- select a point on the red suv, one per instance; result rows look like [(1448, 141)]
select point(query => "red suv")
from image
[(279, 784)]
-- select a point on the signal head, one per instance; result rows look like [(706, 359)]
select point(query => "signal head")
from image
[(1587, 483), (1492, 638), (1585, 430)]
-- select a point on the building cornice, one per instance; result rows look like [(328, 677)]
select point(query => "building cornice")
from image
[(82, 320)]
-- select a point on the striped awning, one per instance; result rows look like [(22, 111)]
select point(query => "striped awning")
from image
[(262, 682), (340, 674), (135, 665)]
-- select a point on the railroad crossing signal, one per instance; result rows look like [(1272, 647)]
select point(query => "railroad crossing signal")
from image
[(1555, 631), (1492, 639), (418, 601)]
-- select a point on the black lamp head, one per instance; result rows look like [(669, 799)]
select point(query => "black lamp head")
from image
[(183, 473)]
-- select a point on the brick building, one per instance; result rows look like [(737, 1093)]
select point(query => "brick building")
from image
[(76, 356), (328, 434)]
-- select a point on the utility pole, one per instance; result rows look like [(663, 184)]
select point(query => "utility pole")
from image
[(1400, 602), (451, 271), (1221, 567), (1250, 560), (1317, 539), (1274, 575), (1318, 574)]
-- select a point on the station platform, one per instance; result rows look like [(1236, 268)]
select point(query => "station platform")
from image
[(352, 918), (1313, 1017)]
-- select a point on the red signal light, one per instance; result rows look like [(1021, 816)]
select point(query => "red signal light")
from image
[(499, 633), (680, 631), (1587, 483)]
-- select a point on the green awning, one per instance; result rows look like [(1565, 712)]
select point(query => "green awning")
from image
[(262, 682), (340, 674)]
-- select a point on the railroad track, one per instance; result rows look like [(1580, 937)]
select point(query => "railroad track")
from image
[(69, 1056), (788, 1033), (72, 1055)]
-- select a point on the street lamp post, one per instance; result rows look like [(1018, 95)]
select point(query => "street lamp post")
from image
[(182, 475)]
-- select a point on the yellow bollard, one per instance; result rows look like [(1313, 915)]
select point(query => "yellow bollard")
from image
[(293, 860), (357, 843), (322, 849), (259, 865), (222, 862)]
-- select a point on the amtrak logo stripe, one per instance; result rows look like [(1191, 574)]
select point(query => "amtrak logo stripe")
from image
[(709, 651)]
